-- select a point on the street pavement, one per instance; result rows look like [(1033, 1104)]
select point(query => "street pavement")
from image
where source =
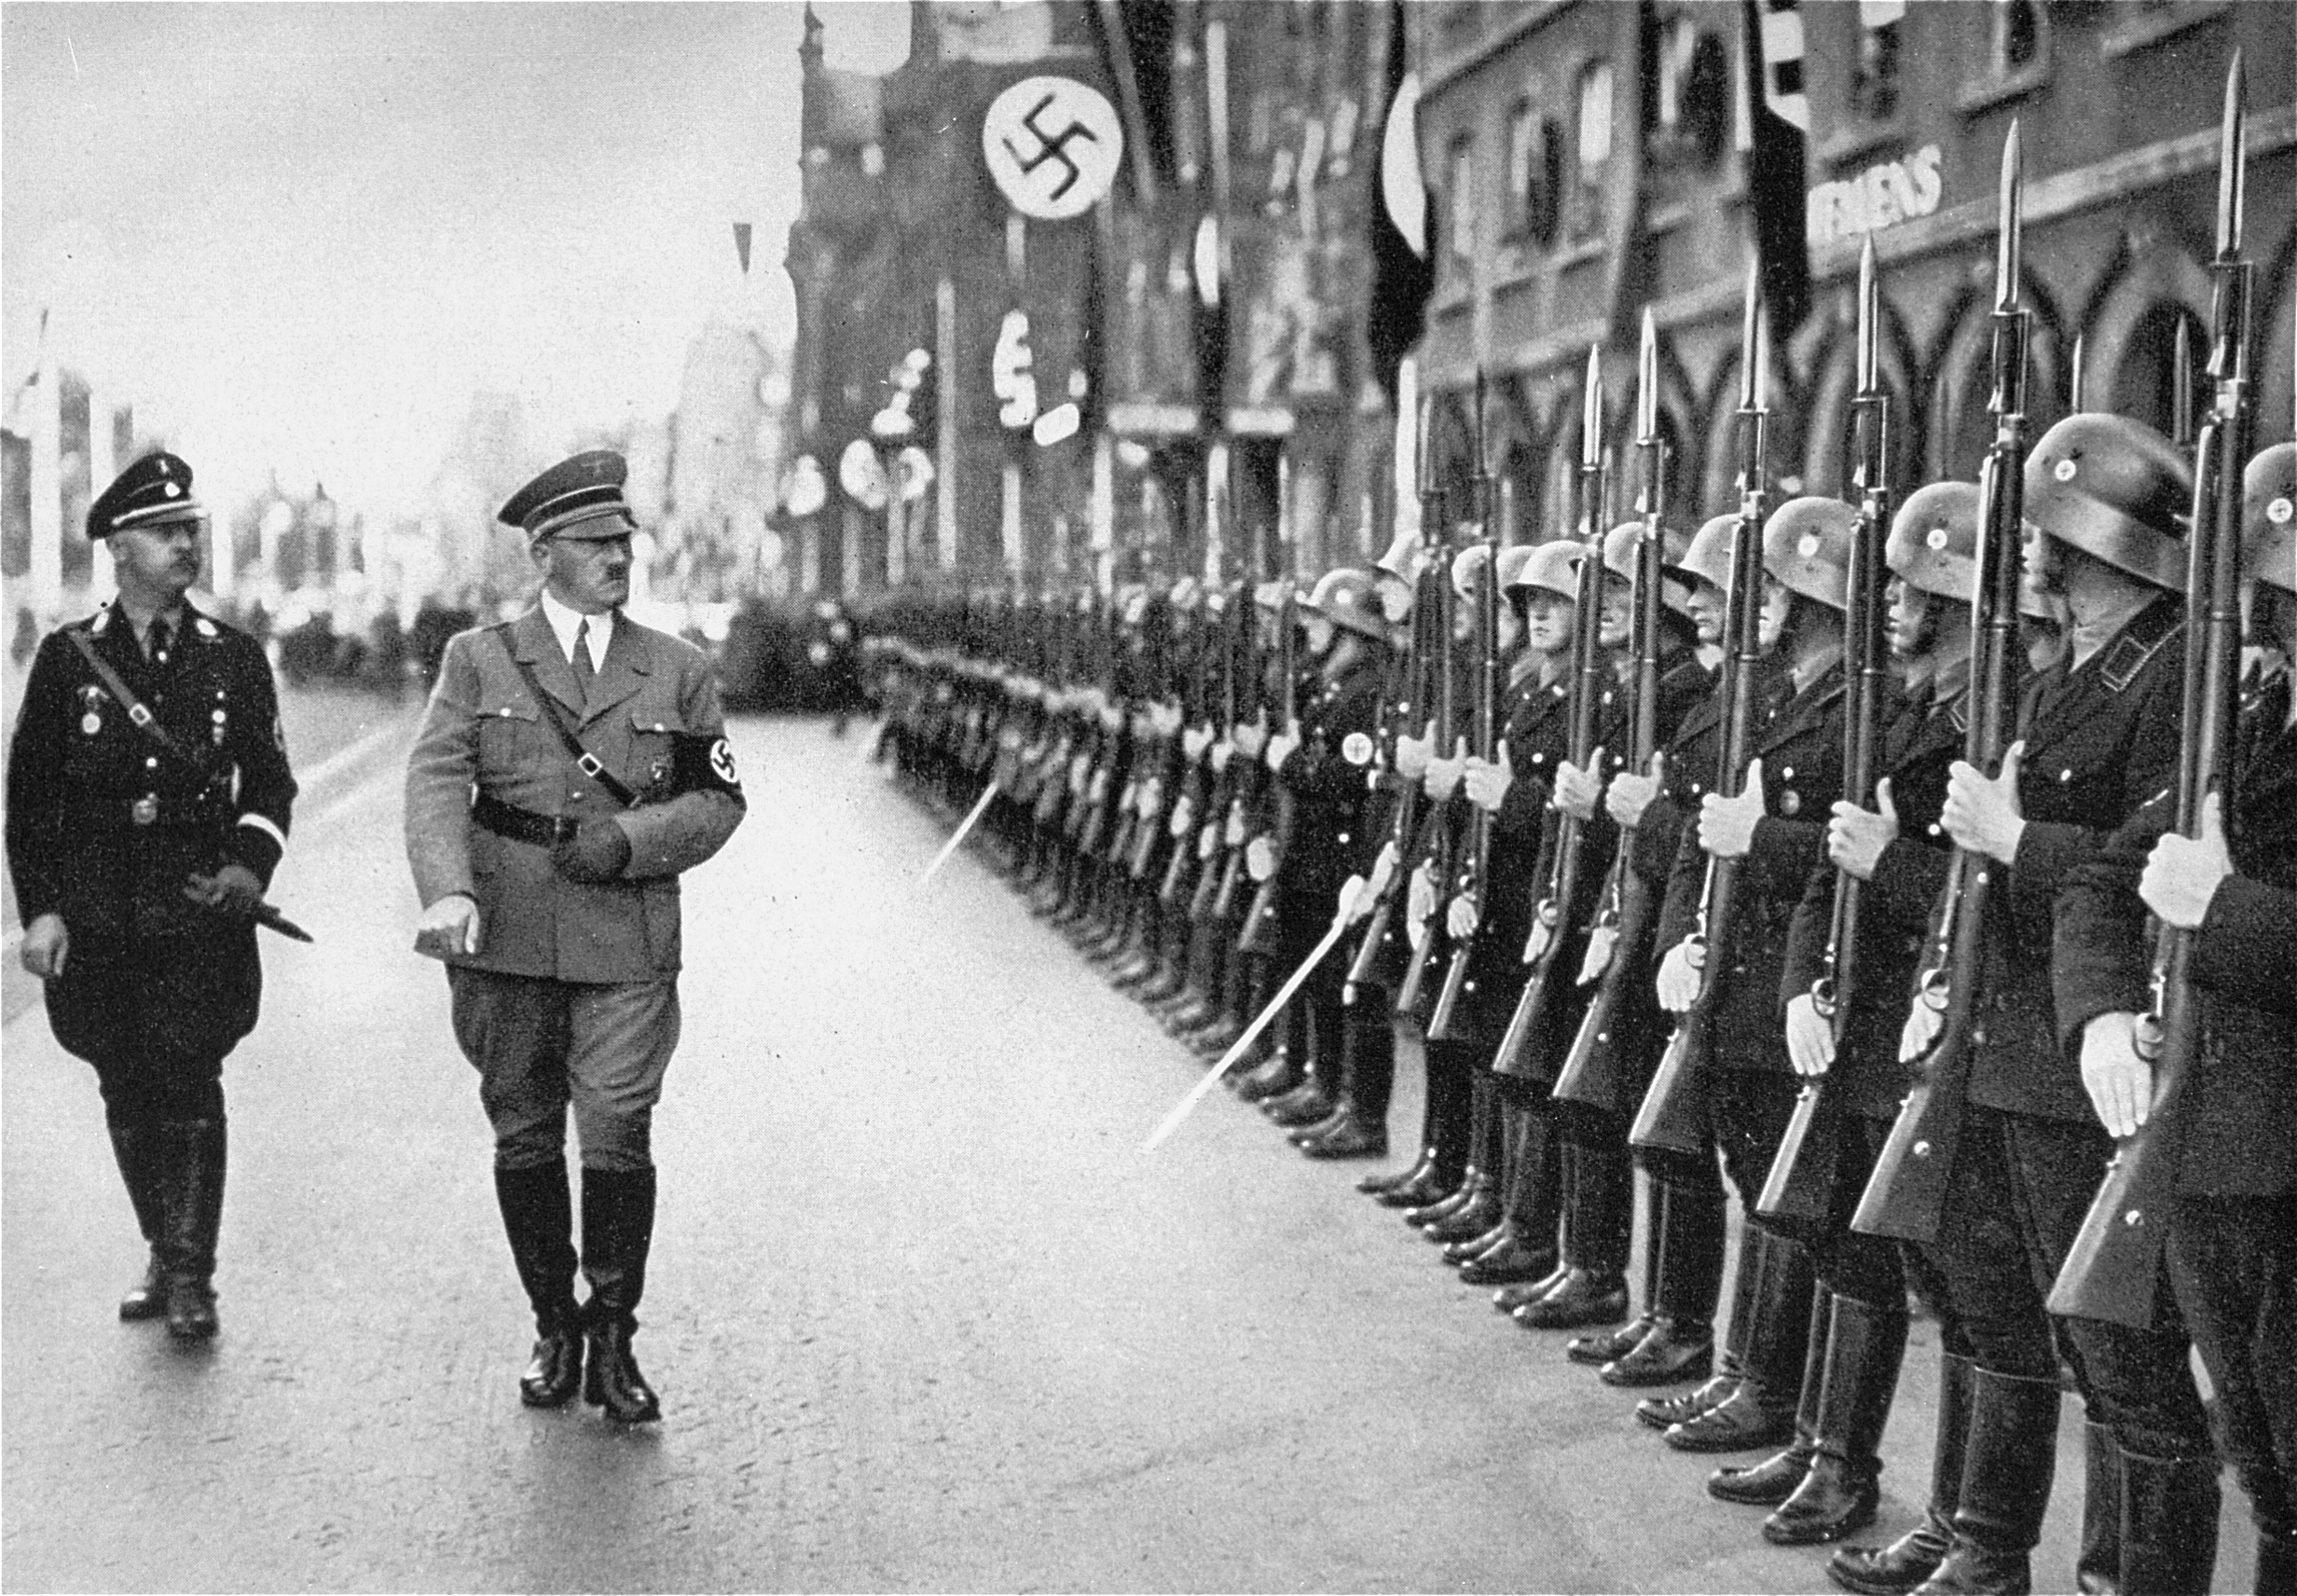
[(922, 1313)]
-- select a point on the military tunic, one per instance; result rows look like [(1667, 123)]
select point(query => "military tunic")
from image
[(104, 824)]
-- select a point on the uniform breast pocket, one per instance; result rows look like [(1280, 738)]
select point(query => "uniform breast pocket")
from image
[(652, 765), (510, 737)]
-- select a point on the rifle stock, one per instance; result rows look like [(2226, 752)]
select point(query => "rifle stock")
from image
[(2113, 1269)]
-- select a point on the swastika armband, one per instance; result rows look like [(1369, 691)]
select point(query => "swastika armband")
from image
[(703, 763)]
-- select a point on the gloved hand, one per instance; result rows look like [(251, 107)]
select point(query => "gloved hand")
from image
[(1413, 753), (1856, 837), (1726, 825), (1462, 916), (46, 946), (1487, 782), (1809, 1038), (1260, 858), (595, 854), (232, 891), (1195, 740), (1280, 747), (1418, 899), (1678, 981), (1356, 899), (1444, 775), (1628, 795), (1576, 789)]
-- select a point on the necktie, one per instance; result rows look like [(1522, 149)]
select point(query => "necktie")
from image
[(156, 641), (584, 669)]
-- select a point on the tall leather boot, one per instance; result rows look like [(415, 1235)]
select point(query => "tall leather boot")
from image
[(1478, 1210), (191, 1200), (618, 1227), (138, 1151), (1517, 1126), (538, 1218), (1475, 1174), (2170, 1509), (1895, 1569), (1771, 1482), (1598, 1197), (1761, 1413), (1367, 1054), (2005, 1487), (1598, 1347), (1664, 1412), (1865, 1343), (1686, 1265), (1444, 1131), (2098, 1562)]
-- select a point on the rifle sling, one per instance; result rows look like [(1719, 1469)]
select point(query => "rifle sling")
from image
[(585, 761)]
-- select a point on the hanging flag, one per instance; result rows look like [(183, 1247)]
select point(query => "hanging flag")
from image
[(741, 245), (1403, 267), (1773, 133)]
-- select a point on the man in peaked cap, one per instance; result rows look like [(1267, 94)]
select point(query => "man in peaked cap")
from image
[(571, 764), (148, 797)]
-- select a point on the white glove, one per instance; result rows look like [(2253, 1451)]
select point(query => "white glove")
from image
[(1260, 858), (1679, 971), (1462, 916), (1810, 1037)]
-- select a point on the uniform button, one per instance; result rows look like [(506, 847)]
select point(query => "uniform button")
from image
[(1343, 836), (1933, 828), (2064, 775), (151, 764), (1787, 775)]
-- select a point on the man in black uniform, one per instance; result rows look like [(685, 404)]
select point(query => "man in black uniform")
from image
[(2104, 497), (2232, 1249), (149, 802)]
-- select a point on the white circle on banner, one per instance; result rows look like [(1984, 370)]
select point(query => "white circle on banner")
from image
[(1053, 146)]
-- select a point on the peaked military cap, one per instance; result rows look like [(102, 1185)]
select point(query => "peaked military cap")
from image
[(578, 498), (154, 490)]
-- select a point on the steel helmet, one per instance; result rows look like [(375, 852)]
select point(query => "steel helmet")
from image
[(1403, 561), (1709, 557), (1806, 548), (2269, 518), (2117, 491), (1548, 568), (1619, 556), (1346, 597), (1465, 566), (1933, 542)]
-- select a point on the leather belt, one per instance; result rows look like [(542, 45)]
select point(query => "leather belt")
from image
[(521, 825)]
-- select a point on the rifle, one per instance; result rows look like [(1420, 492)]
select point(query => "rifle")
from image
[(1673, 1115), (1801, 1185), (1414, 676), (1566, 842), (1474, 874), (2111, 1272), (1906, 1193), (1591, 1070), (1263, 926), (1432, 847)]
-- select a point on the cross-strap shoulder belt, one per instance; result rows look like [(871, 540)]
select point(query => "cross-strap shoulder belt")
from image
[(585, 761)]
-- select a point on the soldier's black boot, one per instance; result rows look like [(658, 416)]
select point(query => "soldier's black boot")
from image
[(1593, 1290), (2097, 1560), (618, 1227), (1771, 1482), (1664, 1412), (2012, 1452), (1602, 1347), (1895, 1569), (1443, 1136), (2169, 1508), (1686, 1264), (1865, 1343), (1367, 1048), (1761, 1413), (538, 1218), (1477, 1204), (191, 1196), (138, 1151), (1476, 1090), (1526, 1249)]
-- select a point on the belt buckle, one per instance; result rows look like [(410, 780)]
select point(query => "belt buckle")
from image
[(145, 810)]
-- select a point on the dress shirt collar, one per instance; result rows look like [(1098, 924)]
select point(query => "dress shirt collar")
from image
[(562, 624)]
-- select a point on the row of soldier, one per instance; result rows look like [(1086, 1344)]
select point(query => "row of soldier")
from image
[(1844, 859)]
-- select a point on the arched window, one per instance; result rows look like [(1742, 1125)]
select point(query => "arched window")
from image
[(1594, 141)]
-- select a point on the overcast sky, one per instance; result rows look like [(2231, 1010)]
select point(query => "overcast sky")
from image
[(298, 236)]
